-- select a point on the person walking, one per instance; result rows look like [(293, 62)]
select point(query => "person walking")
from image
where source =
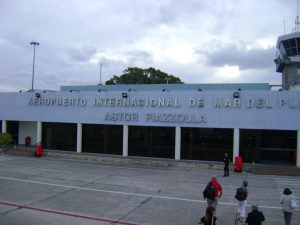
[(255, 217), (216, 188), (287, 207), (226, 165), (210, 217), (241, 196)]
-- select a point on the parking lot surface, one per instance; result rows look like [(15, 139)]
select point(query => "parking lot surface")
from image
[(59, 191)]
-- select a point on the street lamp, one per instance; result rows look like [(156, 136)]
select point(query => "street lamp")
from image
[(34, 43)]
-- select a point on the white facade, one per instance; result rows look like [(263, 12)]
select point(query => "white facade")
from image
[(268, 110)]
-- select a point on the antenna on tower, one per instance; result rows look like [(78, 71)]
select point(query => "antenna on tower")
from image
[(297, 18), (100, 72)]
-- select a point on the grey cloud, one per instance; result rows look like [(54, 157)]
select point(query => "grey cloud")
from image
[(173, 12), (232, 55), (115, 26), (82, 54), (136, 56), (108, 62), (129, 58)]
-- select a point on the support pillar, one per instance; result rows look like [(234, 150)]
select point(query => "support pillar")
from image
[(4, 126), (39, 132), (79, 138), (298, 149), (178, 143), (125, 140), (236, 143)]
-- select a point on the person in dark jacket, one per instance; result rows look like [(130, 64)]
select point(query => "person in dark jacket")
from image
[(241, 206), (226, 165), (255, 217), (209, 218)]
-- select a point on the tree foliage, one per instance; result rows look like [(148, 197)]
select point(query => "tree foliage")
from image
[(135, 75)]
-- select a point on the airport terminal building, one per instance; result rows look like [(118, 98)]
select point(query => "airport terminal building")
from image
[(174, 121), (171, 121)]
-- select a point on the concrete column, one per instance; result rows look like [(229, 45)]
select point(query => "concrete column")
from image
[(125, 140), (79, 138), (298, 149), (39, 132), (178, 143), (236, 143), (4, 126)]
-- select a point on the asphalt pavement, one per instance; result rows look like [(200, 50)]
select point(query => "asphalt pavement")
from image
[(47, 190)]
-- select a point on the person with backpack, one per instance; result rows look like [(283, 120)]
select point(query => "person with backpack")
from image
[(209, 218), (288, 205), (241, 195), (213, 192), (255, 217)]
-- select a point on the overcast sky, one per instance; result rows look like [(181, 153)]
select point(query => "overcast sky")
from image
[(199, 41)]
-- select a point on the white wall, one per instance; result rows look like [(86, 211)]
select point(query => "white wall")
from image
[(27, 129), (276, 110)]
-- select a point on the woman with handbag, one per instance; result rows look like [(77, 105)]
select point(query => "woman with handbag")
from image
[(288, 205)]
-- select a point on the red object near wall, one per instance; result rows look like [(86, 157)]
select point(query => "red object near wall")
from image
[(27, 140), (238, 164), (38, 150)]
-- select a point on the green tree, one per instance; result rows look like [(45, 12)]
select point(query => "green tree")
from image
[(135, 75)]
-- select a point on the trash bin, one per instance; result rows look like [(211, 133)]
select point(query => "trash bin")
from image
[(27, 140), (38, 150), (238, 164)]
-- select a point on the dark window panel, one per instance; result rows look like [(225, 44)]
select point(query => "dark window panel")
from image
[(289, 52), (268, 146), (294, 51), (105, 139), (206, 143), (59, 136), (158, 142), (292, 42), (286, 44), (13, 129)]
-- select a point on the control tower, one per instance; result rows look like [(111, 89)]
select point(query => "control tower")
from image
[(288, 57), (288, 60)]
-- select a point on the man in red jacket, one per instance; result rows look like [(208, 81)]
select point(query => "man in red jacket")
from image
[(217, 192)]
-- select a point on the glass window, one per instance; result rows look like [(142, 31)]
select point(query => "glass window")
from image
[(59, 136), (292, 42), (206, 143), (105, 139), (286, 44), (291, 46), (156, 142), (268, 146), (294, 51), (298, 42), (13, 129)]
